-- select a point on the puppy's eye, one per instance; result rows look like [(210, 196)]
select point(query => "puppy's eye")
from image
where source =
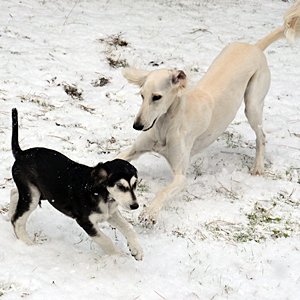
[(156, 97), (142, 96), (122, 188)]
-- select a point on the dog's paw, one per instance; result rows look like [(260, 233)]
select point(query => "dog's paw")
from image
[(257, 171), (148, 217), (118, 253), (258, 168), (136, 251)]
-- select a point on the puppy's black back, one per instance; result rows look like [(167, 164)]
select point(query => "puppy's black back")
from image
[(59, 179)]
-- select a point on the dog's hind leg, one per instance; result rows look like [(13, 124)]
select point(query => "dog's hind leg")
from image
[(29, 197), (255, 94), (14, 197)]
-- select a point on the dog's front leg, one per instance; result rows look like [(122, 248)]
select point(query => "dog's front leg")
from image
[(119, 222), (103, 241), (178, 158), (150, 214), (144, 143)]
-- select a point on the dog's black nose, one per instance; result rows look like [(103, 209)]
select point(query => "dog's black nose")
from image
[(134, 206), (138, 126)]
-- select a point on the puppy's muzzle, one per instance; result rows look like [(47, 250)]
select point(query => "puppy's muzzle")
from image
[(134, 206)]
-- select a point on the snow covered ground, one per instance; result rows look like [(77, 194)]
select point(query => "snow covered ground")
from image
[(230, 235)]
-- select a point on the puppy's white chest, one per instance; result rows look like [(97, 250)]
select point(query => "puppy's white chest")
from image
[(106, 211)]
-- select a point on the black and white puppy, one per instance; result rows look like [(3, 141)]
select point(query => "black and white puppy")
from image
[(89, 195)]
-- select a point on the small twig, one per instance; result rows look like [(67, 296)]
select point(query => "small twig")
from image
[(289, 147), (200, 29), (69, 14), (179, 233), (159, 294), (237, 153), (192, 271), (227, 190), (120, 122), (220, 221), (58, 137), (203, 235), (193, 195), (293, 191), (88, 109)]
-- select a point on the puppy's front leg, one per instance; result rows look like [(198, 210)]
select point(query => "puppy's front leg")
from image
[(118, 221), (103, 241)]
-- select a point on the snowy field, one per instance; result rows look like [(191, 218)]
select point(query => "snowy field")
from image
[(229, 235)]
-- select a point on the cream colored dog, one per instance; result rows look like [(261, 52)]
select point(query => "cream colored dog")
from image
[(178, 124)]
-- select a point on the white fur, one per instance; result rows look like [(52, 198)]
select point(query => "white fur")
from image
[(14, 198), (20, 224), (123, 198), (186, 123), (113, 217)]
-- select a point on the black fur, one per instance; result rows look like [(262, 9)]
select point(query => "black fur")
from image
[(72, 188)]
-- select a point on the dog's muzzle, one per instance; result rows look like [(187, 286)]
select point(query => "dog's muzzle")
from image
[(139, 126), (134, 206)]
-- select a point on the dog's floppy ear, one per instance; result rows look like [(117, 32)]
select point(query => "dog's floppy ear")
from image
[(179, 78), (99, 174), (135, 76), (180, 81)]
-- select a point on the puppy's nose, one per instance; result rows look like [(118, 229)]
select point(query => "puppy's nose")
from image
[(134, 206), (138, 126)]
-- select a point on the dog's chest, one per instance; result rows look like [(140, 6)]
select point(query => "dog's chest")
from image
[(105, 211)]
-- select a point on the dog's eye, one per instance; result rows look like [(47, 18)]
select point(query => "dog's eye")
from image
[(156, 97), (142, 96), (122, 188)]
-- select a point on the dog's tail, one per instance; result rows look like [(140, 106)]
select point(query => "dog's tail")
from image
[(15, 133), (289, 30)]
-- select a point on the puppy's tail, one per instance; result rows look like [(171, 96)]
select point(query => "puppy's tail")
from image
[(289, 30), (15, 133)]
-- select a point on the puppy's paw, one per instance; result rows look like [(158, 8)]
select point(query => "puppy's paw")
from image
[(148, 217), (136, 251), (119, 253)]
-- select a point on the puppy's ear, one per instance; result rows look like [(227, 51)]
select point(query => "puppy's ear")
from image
[(135, 76), (179, 80), (99, 174)]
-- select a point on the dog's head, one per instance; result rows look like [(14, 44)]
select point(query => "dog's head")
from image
[(159, 88), (119, 178)]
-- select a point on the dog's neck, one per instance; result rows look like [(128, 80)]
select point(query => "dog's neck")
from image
[(177, 106), (174, 111)]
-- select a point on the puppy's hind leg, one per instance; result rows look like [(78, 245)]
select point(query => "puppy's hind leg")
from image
[(29, 197), (256, 92), (14, 197)]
